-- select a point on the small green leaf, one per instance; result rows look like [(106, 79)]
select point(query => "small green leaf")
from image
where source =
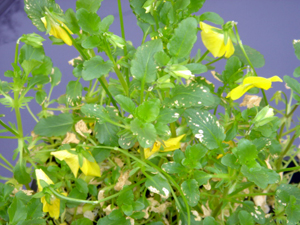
[(100, 154), (96, 67), (89, 5), (201, 177), (193, 155), (71, 21), (292, 83), (20, 173), (292, 211), (125, 198), (190, 189), (127, 209), (81, 185), (88, 21), (30, 65), (178, 156), (245, 218), (149, 110), (161, 58), (96, 111), (209, 221), (245, 152), (196, 68), (55, 77), (27, 52), (40, 96), (169, 115), (158, 185), (256, 58), (297, 49), (205, 127), (106, 22), (143, 66), (231, 72), (212, 17), (91, 42), (185, 36), (17, 211), (82, 221), (45, 68), (261, 176), (195, 5), (106, 133), (33, 39), (174, 167), (139, 11), (284, 191), (126, 103), (145, 132), (36, 80), (297, 72), (194, 95), (181, 5), (54, 125), (35, 10), (127, 139), (75, 193), (74, 92), (230, 160)]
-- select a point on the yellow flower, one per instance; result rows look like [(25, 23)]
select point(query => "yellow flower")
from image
[(214, 41), (88, 168), (250, 82), (54, 206), (57, 31), (168, 145)]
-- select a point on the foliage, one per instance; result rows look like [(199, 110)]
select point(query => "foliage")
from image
[(160, 144)]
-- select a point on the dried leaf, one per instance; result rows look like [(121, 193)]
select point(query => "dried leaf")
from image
[(70, 138), (251, 101), (122, 180), (82, 128)]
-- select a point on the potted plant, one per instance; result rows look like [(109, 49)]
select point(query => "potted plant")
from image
[(156, 143)]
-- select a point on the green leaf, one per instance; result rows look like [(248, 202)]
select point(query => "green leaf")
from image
[(184, 38), (96, 67), (231, 72), (33, 39), (209, 221), (190, 189), (71, 21), (27, 52), (178, 156), (143, 66), (261, 176), (205, 127), (245, 152), (88, 21), (256, 58), (284, 191), (34, 209), (127, 139), (245, 218), (138, 215), (149, 110), (127, 209), (196, 68), (17, 211), (91, 42), (174, 167), (162, 130), (125, 198), (126, 103), (74, 92), (292, 83), (82, 221), (30, 65), (201, 177), (195, 5), (35, 10), (158, 185), (55, 77), (145, 132), (40, 96), (292, 211), (54, 125), (169, 115), (106, 134), (230, 160), (212, 17), (194, 95), (181, 5), (297, 49), (100, 154), (75, 193), (89, 5), (193, 155), (81, 185), (36, 80), (45, 68), (108, 221), (106, 22), (139, 11), (20, 173), (297, 72), (232, 132), (161, 58)]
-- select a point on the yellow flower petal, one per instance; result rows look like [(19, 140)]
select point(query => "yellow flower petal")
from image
[(53, 208), (172, 143), (214, 41), (250, 82), (58, 32), (90, 168), (69, 158), (156, 148), (40, 175)]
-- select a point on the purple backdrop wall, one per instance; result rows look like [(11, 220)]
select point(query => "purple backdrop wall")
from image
[(268, 26)]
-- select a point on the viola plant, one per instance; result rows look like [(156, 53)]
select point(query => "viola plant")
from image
[(147, 138)]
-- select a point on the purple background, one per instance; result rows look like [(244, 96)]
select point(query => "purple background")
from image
[(268, 26)]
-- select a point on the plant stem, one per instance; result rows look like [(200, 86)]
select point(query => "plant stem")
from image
[(4, 166), (6, 161), (216, 60), (279, 160), (203, 56), (31, 113), (288, 169), (108, 93), (8, 128), (99, 201), (9, 137), (290, 131)]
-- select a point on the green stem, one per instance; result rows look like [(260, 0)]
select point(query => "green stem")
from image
[(108, 93), (279, 160), (292, 111), (288, 169), (9, 137), (203, 56), (95, 202), (4, 166), (6, 161), (216, 60), (8, 128), (254, 194), (264, 96), (31, 113), (290, 131)]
